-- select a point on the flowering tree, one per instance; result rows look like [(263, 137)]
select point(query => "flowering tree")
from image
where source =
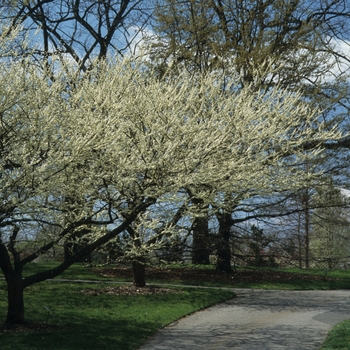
[(92, 155)]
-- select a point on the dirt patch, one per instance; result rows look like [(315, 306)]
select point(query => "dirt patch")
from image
[(129, 290)]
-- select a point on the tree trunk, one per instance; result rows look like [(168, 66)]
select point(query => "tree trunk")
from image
[(15, 310), (223, 247), (13, 277), (200, 231), (139, 272), (200, 251), (307, 235), (306, 198)]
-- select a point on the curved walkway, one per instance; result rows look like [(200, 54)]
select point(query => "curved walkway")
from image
[(258, 320)]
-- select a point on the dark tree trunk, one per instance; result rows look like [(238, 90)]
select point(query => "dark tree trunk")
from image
[(307, 234), (139, 272), (13, 277), (15, 310), (200, 246), (223, 246), (200, 231)]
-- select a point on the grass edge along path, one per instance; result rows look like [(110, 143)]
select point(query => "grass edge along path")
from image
[(68, 317), (338, 337)]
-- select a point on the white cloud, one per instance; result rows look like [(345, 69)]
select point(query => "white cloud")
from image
[(345, 192), (341, 62)]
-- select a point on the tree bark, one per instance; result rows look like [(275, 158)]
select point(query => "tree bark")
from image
[(223, 247), (200, 251), (13, 277), (307, 235), (15, 310), (139, 272)]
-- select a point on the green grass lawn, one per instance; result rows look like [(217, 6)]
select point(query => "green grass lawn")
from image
[(301, 279), (81, 321), (345, 274), (266, 278), (101, 321), (338, 337), (75, 271)]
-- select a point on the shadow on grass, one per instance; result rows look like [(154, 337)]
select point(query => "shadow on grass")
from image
[(90, 333), (99, 321)]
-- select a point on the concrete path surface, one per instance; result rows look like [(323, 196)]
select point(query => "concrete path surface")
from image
[(258, 320)]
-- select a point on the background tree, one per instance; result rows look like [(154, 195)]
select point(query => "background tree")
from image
[(329, 243), (258, 243), (292, 44), (206, 35), (81, 30)]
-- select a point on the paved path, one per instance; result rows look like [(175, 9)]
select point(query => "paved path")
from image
[(258, 320)]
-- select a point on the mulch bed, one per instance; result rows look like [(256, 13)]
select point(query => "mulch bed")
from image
[(206, 275), (128, 290)]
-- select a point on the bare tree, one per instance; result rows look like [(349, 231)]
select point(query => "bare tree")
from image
[(82, 30)]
